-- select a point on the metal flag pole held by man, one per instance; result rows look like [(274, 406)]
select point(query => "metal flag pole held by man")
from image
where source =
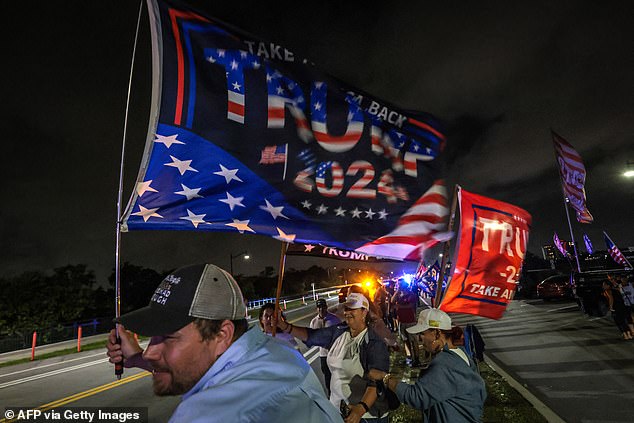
[(280, 278), (118, 368)]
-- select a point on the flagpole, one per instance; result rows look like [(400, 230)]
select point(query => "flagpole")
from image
[(445, 252), (280, 277), (285, 160), (572, 236), (118, 368)]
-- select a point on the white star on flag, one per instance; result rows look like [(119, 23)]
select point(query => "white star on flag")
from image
[(369, 213), (236, 86), (322, 209), (383, 214), (308, 248), (275, 211), (147, 213), (182, 165), (284, 236), (143, 187), (196, 219), (189, 193), (340, 212), (228, 174), (168, 141), (306, 204), (232, 201), (356, 213), (240, 225)]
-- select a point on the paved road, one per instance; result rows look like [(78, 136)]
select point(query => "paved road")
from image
[(87, 380), (576, 365)]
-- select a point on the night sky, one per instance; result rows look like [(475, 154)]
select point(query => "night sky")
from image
[(499, 75)]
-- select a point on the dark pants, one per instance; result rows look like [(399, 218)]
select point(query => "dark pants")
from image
[(327, 375)]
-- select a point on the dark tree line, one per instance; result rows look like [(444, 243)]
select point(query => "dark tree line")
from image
[(35, 300)]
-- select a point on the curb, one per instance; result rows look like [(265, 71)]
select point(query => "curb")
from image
[(541, 408)]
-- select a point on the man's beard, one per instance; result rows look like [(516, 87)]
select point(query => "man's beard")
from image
[(176, 387)]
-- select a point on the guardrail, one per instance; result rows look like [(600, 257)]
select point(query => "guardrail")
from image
[(294, 302)]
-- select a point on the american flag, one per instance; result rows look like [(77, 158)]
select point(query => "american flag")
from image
[(573, 177), (560, 245), (615, 253), (429, 279), (273, 154), (419, 228), (588, 243)]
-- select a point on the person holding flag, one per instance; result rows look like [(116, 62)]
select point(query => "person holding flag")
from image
[(202, 348), (616, 305), (451, 389), (354, 349)]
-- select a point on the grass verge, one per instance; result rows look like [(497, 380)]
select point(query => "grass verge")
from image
[(67, 351)]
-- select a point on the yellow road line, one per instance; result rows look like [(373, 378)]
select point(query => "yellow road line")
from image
[(84, 394)]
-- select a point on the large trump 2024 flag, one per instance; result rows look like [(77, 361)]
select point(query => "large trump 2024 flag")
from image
[(491, 249), (249, 138)]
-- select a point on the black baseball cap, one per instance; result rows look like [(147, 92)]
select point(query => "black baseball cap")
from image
[(321, 303), (198, 291)]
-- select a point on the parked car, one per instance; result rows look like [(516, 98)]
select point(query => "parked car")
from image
[(555, 287)]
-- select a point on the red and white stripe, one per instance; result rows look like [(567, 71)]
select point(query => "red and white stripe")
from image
[(277, 116), (337, 144), (337, 181), (410, 159), (303, 180), (421, 227), (235, 109), (358, 190)]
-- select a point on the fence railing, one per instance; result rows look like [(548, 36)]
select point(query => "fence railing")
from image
[(295, 301)]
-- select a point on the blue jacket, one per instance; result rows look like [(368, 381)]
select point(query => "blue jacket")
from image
[(449, 391), (258, 379)]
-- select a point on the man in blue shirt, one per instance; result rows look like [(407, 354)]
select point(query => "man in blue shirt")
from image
[(201, 348)]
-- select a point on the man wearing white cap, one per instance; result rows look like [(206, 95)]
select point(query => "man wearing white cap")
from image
[(451, 390), (201, 348), (354, 350)]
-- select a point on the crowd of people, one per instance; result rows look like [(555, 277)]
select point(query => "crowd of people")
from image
[(202, 348)]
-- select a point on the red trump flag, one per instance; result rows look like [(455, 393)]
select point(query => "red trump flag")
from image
[(490, 251)]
